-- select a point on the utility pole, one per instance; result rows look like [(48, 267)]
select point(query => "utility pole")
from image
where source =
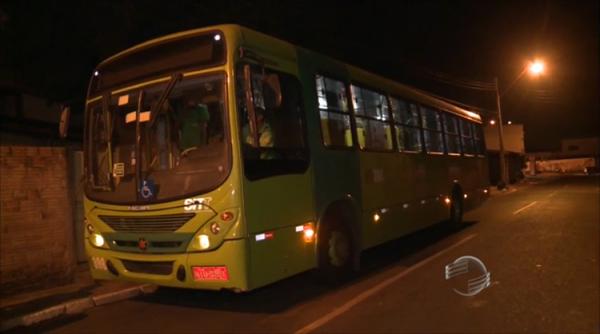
[(503, 175)]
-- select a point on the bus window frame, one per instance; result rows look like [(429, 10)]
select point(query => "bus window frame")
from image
[(440, 131), (328, 75), (460, 130), (418, 127), (360, 85), (306, 142), (457, 134)]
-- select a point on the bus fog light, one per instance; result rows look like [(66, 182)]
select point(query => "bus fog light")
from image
[(97, 240), (203, 241), (215, 228), (99, 263)]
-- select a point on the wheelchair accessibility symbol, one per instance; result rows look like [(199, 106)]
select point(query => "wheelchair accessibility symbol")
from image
[(147, 189)]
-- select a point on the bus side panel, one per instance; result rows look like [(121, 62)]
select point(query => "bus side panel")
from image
[(274, 206), (336, 171), (403, 190)]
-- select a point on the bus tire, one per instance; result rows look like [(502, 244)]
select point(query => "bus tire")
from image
[(456, 208), (336, 251)]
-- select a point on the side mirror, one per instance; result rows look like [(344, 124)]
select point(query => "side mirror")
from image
[(272, 91), (63, 126)]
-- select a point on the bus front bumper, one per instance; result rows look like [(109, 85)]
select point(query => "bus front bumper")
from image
[(222, 268)]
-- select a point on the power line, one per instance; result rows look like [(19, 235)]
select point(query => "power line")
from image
[(460, 104), (453, 80)]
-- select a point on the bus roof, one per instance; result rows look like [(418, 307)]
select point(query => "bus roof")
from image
[(249, 34)]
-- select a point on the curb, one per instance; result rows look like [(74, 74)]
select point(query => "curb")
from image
[(76, 306)]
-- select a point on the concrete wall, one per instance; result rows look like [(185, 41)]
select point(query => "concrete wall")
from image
[(576, 165), (37, 247)]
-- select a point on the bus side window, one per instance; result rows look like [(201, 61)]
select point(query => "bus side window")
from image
[(282, 147), (432, 130), (467, 137), (451, 131), (406, 120), (478, 139), (334, 112), (372, 119)]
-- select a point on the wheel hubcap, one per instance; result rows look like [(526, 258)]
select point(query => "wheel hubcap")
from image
[(339, 248), (456, 210)]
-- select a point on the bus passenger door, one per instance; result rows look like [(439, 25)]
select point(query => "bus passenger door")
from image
[(278, 200)]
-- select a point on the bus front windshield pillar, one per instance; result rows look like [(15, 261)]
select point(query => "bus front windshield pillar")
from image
[(250, 105)]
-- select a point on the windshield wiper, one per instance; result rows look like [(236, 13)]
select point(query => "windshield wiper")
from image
[(138, 147), (106, 159), (153, 113), (163, 97)]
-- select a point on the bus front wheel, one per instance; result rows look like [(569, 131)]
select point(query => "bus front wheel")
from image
[(456, 209), (336, 252)]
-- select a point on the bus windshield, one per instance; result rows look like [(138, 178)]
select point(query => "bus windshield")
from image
[(134, 159)]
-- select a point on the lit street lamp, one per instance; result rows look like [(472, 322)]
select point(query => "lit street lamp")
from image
[(535, 68)]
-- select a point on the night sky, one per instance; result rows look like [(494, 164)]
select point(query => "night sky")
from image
[(51, 47)]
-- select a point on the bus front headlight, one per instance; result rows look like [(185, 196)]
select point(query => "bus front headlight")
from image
[(97, 240), (203, 241)]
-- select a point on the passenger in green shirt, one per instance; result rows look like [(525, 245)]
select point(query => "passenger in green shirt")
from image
[(194, 126)]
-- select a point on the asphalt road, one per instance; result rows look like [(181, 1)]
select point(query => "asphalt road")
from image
[(540, 244)]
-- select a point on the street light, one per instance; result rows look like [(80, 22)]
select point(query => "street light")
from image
[(535, 68)]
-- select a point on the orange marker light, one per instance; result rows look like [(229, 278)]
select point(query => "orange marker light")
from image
[(226, 216), (447, 200), (309, 233)]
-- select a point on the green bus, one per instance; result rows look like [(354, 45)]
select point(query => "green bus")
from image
[(223, 158)]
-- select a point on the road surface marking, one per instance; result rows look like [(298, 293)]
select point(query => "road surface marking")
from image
[(368, 293), (525, 207)]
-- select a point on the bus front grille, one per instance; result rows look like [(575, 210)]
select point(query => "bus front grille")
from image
[(163, 223), (155, 268), (156, 244)]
